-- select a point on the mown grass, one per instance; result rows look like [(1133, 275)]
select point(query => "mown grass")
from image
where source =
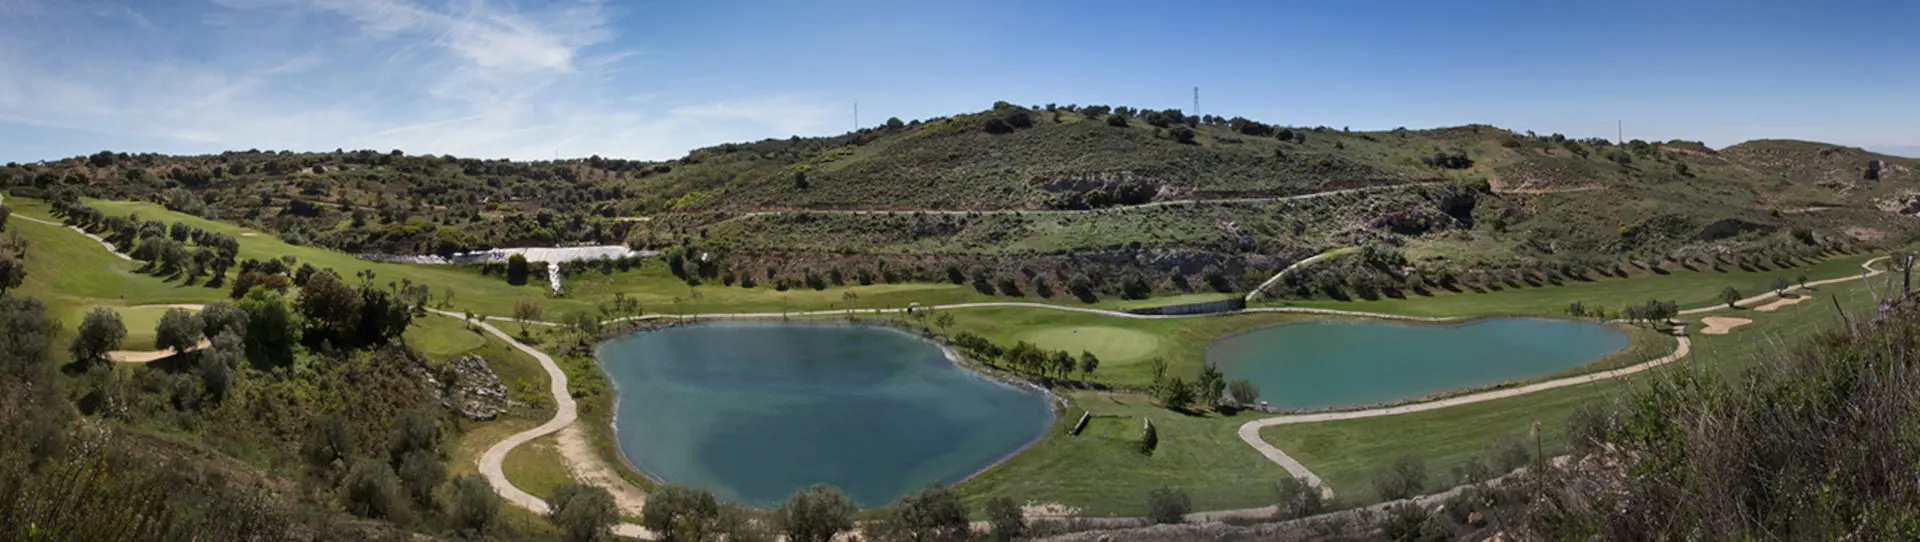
[(537, 467), (1111, 477)]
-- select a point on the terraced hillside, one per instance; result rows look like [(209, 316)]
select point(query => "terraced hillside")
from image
[(1160, 201)]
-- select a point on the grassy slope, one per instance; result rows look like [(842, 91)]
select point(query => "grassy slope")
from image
[(1201, 454), (1688, 288), (656, 289)]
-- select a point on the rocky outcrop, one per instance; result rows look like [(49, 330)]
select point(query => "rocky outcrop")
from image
[(469, 388)]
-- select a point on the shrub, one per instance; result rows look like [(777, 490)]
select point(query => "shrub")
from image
[(1183, 134), (472, 505), (372, 490), (933, 514), (998, 126), (587, 513), (1507, 453), (1117, 121), (679, 512), (1295, 498), (1149, 438), (1167, 505), (1404, 479), (1009, 523), (816, 514), (517, 270), (1588, 427)]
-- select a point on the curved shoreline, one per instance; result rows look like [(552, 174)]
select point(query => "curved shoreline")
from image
[(1582, 369), (948, 354)]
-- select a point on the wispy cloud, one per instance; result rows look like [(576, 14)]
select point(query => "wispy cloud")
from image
[(470, 78)]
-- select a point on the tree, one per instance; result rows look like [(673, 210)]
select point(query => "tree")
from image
[(218, 362), (1157, 367), (1297, 499), (1730, 296), (1009, 523), (1168, 505), (1117, 121), (270, 328), (100, 332), (330, 308), (372, 490), (944, 320), (178, 330), (1174, 394), (679, 513), (1244, 392), (584, 323), (1802, 279), (1183, 134), (1211, 387), (472, 505), (1062, 362), (1088, 362), (1780, 285), (517, 270), (934, 514), (525, 311), (816, 514), (13, 272), (586, 513), (1405, 478)]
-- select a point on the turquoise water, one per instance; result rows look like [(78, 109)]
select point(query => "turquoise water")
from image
[(753, 412), (1335, 364)]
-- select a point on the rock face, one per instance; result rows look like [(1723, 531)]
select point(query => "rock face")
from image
[(470, 388)]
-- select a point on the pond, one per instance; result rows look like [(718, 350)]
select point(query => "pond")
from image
[(1338, 364), (753, 412)]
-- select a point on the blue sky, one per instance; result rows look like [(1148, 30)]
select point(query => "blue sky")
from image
[(651, 80)]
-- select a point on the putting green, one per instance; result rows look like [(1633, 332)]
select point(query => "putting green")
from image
[(140, 322), (1111, 344)]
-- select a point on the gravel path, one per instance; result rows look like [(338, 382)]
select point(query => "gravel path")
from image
[(564, 413)]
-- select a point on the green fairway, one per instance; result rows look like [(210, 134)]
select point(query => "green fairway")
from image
[(1110, 344), (657, 290), (1110, 476), (1688, 288)]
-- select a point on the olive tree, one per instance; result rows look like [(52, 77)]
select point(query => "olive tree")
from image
[(100, 332), (178, 330), (816, 514), (586, 513)]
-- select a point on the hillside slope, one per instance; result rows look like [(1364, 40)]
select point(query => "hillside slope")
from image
[(1027, 189)]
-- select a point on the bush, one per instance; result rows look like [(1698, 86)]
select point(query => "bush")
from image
[(1588, 427), (679, 512), (933, 514), (587, 514), (1295, 498), (1117, 121), (1507, 453), (1167, 505), (1408, 521), (517, 270), (472, 505), (372, 490), (1009, 522), (816, 514), (1149, 438), (1406, 478), (1183, 134), (998, 126)]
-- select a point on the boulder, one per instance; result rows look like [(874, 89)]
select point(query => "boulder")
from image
[(470, 388)]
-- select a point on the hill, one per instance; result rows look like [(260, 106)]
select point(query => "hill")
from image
[(1114, 193)]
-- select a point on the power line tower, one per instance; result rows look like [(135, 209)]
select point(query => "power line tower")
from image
[(1196, 101), (856, 116)]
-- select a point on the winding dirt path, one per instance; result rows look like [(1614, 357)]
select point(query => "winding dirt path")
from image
[(564, 413)]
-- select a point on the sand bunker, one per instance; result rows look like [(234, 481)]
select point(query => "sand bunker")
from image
[(134, 356), (1720, 325), (1783, 303), (250, 234)]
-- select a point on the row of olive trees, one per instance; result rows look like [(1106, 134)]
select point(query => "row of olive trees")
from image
[(815, 514)]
